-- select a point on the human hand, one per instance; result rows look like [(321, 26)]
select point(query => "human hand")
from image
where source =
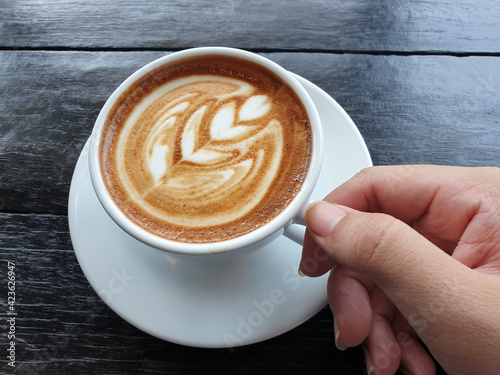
[(415, 252)]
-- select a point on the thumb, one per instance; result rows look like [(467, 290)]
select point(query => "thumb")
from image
[(397, 258), (450, 306)]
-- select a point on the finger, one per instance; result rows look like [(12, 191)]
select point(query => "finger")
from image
[(414, 358), (348, 294), (384, 350), (400, 324), (381, 343), (314, 261), (381, 304), (444, 300), (478, 246), (437, 199), (392, 254)]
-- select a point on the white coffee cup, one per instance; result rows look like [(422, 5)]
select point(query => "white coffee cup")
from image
[(289, 222)]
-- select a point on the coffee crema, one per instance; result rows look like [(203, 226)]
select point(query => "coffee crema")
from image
[(205, 149)]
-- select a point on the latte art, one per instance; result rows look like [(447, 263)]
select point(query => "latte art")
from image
[(205, 157), (173, 164)]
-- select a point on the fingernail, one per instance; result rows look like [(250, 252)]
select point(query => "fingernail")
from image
[(321, 217), (301, 273), (369, 365), (337, 333)]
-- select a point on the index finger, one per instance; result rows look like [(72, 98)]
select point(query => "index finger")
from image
[(438, 201)]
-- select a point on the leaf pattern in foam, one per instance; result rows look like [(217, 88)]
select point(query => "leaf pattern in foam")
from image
[(223, 127), (255, 107), (158, 161), (223, 124), (189, 135)]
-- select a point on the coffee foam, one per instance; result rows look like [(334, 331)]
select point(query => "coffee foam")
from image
[(202, 158)]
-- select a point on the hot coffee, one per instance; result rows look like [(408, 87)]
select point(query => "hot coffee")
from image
[(205, 149)]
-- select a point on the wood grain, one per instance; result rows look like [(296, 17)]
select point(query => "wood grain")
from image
[(463, 26), (419, 78), (64, 327), (410, 109)]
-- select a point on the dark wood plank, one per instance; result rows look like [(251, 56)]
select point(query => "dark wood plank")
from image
[(63, 327), (389, 63), (463, 26), (423, 110), (410, 109), (48, 105)]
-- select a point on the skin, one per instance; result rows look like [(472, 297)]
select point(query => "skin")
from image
[(414, 254)]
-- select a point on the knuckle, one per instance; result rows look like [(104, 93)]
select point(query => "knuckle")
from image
[(373, 246)]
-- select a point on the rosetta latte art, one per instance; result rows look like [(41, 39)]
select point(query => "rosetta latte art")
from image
[(205, 150), (191, 157)]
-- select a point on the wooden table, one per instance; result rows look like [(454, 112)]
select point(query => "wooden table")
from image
[(420, 79)]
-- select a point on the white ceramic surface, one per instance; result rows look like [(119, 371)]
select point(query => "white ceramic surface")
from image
[(229, 303), (292, 213)]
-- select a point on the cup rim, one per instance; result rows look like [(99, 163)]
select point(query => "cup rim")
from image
[(276, 226)]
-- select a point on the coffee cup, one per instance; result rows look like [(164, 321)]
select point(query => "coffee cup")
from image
[(207, 151)]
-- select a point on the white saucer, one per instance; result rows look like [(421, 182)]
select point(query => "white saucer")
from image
[(221, 304)]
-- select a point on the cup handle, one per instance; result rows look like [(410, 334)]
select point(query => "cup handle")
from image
[(297, 228)]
